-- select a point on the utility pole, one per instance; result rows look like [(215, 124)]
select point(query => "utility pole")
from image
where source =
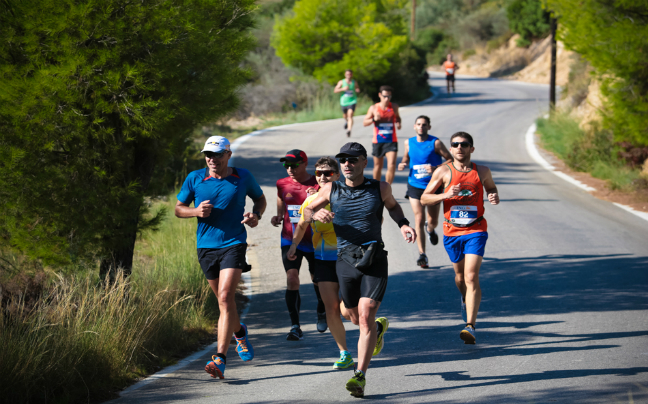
[(413, 29), (552, 80)]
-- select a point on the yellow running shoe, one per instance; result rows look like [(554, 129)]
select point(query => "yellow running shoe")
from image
[(356, 385), (380, 341)]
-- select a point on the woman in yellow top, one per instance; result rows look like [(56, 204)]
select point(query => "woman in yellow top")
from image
[(325, 244)]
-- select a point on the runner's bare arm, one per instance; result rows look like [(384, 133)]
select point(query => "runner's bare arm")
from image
[(298, 234), (489, 185), (281, 206), (441, 150), (250, 218), (405, 161), (396, 212), (369, 118), (314, 211), (397, 115), (440, 178), (184, 211), (338, 87), (357, 88)]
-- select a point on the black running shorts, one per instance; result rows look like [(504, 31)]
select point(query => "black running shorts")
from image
[(288, 264), (450, 77), (354, 284), (212, 260), (348, 107), (416, 193), (380, 149), (325, 271)]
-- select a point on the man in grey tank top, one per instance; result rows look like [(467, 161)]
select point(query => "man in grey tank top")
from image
[(357, 212)]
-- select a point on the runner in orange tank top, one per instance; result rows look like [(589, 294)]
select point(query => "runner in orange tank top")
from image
[(450, 68), (464, 228), (386, 119)]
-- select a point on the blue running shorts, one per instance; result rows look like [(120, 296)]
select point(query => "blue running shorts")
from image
[(458, 246)]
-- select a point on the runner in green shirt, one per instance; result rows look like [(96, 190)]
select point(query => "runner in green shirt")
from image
[(349, 88)]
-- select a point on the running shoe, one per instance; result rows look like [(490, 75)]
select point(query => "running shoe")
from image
[(216, 367), (464, 314), (321, 322), (467, 335), (348, 133), (344, 362), (434, 238), (346, 124), (243, 346), (422, 261), (295, 334), (356, 385), (380, 341)]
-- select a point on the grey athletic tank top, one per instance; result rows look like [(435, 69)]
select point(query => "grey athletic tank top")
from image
[(358, 212)]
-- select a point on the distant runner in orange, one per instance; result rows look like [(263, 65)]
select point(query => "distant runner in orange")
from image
[(450, 68)]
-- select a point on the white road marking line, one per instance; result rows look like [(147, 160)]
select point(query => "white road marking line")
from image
[(535, 155)]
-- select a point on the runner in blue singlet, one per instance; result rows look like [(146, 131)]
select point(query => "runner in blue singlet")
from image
[(423, 153)]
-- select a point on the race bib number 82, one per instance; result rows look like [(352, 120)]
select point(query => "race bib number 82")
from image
[(463, 214)]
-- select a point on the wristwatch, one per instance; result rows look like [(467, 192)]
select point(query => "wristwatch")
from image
[(257, 213)]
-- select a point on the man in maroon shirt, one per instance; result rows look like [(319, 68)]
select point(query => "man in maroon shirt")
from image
[(292, 191)]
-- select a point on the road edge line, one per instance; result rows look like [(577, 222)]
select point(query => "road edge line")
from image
[(532, 149)]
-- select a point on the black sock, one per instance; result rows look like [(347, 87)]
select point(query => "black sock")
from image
[(320, 302), (472, 325), (293, 301), (378, 327), (223, 357), (240, 333)]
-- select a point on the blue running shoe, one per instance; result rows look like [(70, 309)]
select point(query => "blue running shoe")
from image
[(243, 346), (345, 361), (464, 314), (216, 367), (467, 335)]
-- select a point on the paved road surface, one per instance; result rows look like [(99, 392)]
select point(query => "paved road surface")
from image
[(564, 313)]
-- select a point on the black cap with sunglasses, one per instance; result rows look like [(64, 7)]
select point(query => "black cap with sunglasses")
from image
[(352, 149), (294, 156)]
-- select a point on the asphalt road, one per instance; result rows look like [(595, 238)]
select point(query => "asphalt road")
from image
[(564, 313)]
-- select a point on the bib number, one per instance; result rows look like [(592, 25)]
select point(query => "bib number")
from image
[(450, 70), (293, 213), (463, 214), (385, 132), (420, 171)]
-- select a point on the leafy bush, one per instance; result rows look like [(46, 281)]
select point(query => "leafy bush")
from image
[(529, 19), (611, 36)]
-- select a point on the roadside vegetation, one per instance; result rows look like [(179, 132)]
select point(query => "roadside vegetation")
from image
[(601, 124), (73, 338)]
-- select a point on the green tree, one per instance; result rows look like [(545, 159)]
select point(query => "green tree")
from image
[(96, 96), (611, 36), (323, 38), (529, 19)]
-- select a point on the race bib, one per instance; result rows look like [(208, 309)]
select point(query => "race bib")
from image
[(420, 171), (386, 131), (348, 93), (463, 214), (293, 213), (450, 70)]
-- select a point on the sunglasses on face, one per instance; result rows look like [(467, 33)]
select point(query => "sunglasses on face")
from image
[(462, 144), (213, 156), (291, 165), (351, 160), (385, 96), (326, 173)]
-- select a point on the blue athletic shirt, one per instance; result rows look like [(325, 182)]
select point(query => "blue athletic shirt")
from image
[(222, 228), (421, 154)]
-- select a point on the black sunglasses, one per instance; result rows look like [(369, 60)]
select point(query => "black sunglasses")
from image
[(327, 173), (291, 165), (462, 144), (212, 155), (351, 160)]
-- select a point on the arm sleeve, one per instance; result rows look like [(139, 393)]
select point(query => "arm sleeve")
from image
[(187, 194), (253, 189)]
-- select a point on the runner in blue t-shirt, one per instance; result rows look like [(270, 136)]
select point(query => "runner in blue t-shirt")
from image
[(218, 193), (423, 153)]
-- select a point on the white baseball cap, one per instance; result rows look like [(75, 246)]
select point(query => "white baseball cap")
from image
[(216, 144)]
